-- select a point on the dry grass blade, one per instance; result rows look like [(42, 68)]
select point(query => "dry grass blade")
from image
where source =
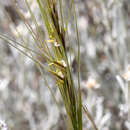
[(90, 117)]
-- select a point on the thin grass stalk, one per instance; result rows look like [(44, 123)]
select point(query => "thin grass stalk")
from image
[(90, 117)]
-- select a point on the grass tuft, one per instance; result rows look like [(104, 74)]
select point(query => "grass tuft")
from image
[(54, 52)]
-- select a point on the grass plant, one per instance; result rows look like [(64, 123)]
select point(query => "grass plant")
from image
[(54, 51)]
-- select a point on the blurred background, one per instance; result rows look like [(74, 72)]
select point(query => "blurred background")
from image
[(104, 27)]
